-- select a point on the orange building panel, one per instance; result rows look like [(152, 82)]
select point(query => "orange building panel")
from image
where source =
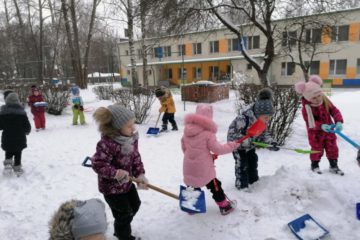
[(324, 70), (188, 49), (354, 31), (326, 35), (351, 72), (222, 45), (337, 81)]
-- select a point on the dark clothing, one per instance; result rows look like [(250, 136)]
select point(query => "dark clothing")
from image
[(216, 190), (124, 206), (246, 164), (15, 125), (16, 155), (169, 117)]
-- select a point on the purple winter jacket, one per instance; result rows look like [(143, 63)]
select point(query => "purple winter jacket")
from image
[(108, 158)]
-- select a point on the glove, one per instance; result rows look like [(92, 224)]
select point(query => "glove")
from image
[(339, 126), (144, 181), (81, 108), (274, 147), (325, 127), (76, 106), (122, 176)]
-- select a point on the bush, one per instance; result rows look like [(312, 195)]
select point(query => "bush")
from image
[(57, 98), (103, 92), (286, 103)]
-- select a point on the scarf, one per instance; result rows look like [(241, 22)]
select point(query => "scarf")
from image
[(127, 143)]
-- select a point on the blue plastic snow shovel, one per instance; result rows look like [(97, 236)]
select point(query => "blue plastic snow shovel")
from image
[(305, 227), (154, 130), (192, 200), (85, 162), (358, 210), (346, 138)]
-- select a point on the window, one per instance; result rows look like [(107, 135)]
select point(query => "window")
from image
[(248, 66), (214, 72), (338, 67), (181, 76), (287, 68), (139, 53), (358, 66), (233, 44), (288, 38), (313, 35), (168, 73), (197, 73), (181, 49), (253, 42), (340, 33), (214, 46), (167, 51), (314, 67), (158, 51), (127, 52), (196, 48)]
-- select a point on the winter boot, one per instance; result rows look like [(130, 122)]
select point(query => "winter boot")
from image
[(18, 170), (163, 128), (8, 166), (315, 167), (226, 206), (174, 127), (334, 168)]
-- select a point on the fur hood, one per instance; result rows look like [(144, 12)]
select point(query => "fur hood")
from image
[(16, 109), (195, 123), (61, 222)]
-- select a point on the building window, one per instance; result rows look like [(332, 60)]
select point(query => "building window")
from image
[(127, 52), (158, 52), (314, 67), (168, 73), (338, 67), (248, 66), (167, 51), (340, 33), (214, 73), (288, 38), (253, 42), (181, 50), (313, 35), (214, 46), (197, 73), (287, 68), (139, 53), (358, 66), (196, 48), (233, 44), (182, 74)]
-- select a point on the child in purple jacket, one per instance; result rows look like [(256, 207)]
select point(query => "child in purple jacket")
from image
[(116, 159)]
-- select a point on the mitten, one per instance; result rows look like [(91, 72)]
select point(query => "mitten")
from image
[(144, 181), (274, 147), (76, 106), (325, 127), (339, 126), (122, 176), (81, 108)]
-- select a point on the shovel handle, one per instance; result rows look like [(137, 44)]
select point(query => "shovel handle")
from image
[(157, 121), (169, 194)]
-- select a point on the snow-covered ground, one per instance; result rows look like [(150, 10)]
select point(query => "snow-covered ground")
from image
[(287, 188)]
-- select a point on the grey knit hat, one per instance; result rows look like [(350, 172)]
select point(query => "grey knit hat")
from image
[(264, 104), (89, 218), (121, 115), (12, 98)]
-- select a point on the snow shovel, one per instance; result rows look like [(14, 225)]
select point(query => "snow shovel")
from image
[(346, 138), (154, 130), (192, 200), (305, 227), (265, 145)]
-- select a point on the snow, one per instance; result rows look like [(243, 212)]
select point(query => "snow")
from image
[(98, 74), (311, 231), (191, 197), (286, 190)]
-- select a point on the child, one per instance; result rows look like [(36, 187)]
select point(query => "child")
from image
[(38, 112), (319, 112), (78, 106), (117, 157), (198, 143), (246, 159), (79, 220), (15, 125), (167, 107)]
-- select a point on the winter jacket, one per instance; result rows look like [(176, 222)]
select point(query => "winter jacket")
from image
[(77, 103), (238, 129), (110, 157), (198, 143), (33, 99), (15, 125), (320, 116), (167, 104)]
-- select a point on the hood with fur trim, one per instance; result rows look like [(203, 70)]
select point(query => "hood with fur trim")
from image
[(61, 222)]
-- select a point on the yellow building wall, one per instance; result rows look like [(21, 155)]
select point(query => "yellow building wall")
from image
[(222, 45), (354, 31), (326, 35), (324, 70), (351, 72), (337, 81), (188, 49)]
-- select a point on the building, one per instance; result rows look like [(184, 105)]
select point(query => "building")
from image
[(215, 55)]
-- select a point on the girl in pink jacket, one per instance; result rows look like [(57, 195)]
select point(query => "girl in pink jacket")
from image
[(198, 145), (319, 114)]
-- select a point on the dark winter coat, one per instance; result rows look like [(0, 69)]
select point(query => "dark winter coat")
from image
[(33, 99), (109, 157), (15, 125)]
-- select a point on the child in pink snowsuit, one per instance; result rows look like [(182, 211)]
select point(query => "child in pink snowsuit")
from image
[(319, 114), (38, 112), (198, 145)]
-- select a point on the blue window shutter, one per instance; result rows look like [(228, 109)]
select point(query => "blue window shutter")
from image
[(159, 52), (238, 47), (245, 40)]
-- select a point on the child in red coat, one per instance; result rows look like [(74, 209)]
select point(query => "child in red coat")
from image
[(319, 114), (37, 111)]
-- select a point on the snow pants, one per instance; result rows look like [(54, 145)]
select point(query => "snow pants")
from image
[(246, 164), (16, 155), (39, 119), (168, 117), (77, 113), (320, 141)]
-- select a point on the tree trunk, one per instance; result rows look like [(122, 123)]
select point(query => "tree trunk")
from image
[(143, 45), (130, 17)]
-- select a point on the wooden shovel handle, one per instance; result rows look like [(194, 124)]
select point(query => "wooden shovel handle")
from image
[(156, 188)]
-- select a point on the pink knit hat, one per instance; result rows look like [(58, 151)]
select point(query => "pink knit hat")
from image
[(205, 110), (309, 89)]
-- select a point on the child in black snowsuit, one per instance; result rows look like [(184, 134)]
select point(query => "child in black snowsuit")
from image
[(15, 125)]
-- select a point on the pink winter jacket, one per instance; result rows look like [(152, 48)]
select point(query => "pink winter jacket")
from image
[(198, 143)]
